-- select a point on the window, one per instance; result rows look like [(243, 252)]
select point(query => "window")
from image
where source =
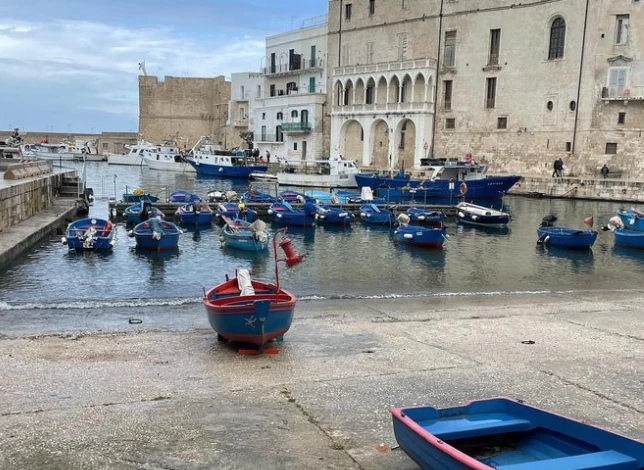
[(361, 134), (259, 91), (279, 135), (280, 116), (611, 148), (572, 105), (621, 118), (557, 39), (272, 93), (550, 105), (568, 146), (369, 95), (621, 29), (347, 12), (403, 131), (404, 6), (242, 92), (294, 145), (449, 55), (304, 117), (490, 95), (450, 123), (369, 53), (372, 7), (447, 94), (294, 113), (616, 81), (495, 44), (314, 56), (502, 123), (263, 133), (263, 116), (402, 46), (106, 145), (311, 84)]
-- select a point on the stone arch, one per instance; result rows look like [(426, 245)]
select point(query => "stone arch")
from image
[(405, 143), (338, 89), (370, 91), (348, 93), (351, 140), (419, 89), (406, 87), (379, 141), (359, 95), (394, 90), (382, 90)]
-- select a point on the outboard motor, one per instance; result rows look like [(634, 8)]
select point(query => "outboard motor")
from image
[(549, 220)]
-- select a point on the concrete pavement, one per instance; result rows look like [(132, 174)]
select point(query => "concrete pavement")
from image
[(86, 389)]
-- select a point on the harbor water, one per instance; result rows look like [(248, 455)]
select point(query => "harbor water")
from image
[(356, 262)]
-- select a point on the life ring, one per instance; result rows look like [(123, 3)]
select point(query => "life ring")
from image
[(138, 192), (463, 188)]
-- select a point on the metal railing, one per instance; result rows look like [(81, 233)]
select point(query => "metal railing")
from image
[(296, 127), (310, 64), (385, 67), (623, 92)]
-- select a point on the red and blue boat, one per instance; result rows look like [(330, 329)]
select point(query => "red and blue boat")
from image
[(89, 234), (506, 434), (156, 234)]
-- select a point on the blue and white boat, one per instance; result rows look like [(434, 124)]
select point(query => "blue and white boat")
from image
[(416, 235), (283, 213), (471, 214), (133, 213), (89, 234), (632, 219), (443, 179), (209, 159), (194, 213), (504, 434), (156, 234), (566, 237), (629, 238), (341, 196), (372, 214), (232, 211), (420, 216), (293, 197), (258, 197), (243, 235), (183, 197), (328, 215)]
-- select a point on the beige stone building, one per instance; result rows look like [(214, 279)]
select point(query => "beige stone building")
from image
[(183, 109), (518, 84)]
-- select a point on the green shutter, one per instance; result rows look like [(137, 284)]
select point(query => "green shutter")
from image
[(312, 85)]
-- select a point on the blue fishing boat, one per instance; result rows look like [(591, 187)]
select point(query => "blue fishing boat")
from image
[(183, 197), (243, 235), (472, 214), (505, 434), (293, 196), (420, 216), (328, 215), (341, 196), (89, 234), (566, 237), (194, 213), (283, 213), (629, 238), (372, 214), (416, 235), (133, 213), (632, 219), (258, 197), (233, 211), (210, 161), (156, 234), (139, 195)]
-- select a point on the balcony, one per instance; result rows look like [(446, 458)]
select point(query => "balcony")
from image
[(304, 65), (623, 93), (385, 67), (385, 108), (240, 123), (296, 127), (270, 138)]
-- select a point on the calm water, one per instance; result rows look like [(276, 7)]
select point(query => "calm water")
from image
[(356, 262)]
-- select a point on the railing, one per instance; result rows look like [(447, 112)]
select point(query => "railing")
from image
[(241, 123), (385, 67), (382, 108), (311, 64), (296, 127), (623, 92), (269, 138)]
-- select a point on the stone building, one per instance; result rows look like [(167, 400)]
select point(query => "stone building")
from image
[(518, 84), (183, 109), (246, 90), (106, 142)]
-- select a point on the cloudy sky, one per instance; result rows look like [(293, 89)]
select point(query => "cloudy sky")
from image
[(73, 64)]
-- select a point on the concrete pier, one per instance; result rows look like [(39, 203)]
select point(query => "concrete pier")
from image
[(609, 189), (87, 389)]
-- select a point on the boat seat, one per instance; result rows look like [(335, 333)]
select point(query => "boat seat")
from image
[(607, 460), (482, 425)]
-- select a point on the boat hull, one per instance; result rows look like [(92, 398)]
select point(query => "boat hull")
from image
[(78, 238), (471, 214), (376, 217), (194, 218), (316, 181), (631, 219), (421, 236), (629, 238), (162, 165), (296, 218), (491, 187), (334, 216), (125, 160), (567, 237), (243, 240), (145, 239), (221, 171)]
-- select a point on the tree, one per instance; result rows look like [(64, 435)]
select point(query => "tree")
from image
[(248, 138)]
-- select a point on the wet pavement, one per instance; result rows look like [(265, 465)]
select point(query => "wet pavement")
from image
[(87, 389)]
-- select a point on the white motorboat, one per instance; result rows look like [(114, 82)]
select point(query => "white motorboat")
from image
[(334, 172), (46, 151), (166, 157), (132, 158)]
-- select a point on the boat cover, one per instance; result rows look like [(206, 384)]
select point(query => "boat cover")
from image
[(244, 282)]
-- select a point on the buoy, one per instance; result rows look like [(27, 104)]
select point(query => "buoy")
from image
[(463, 188), (292, 257)]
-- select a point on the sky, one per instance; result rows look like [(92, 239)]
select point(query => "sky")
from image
[(72, 65)]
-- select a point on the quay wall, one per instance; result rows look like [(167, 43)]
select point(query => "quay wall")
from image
[(580, 188), (24, 199)]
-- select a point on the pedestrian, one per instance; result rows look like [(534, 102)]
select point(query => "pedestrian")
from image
[(555, 165), (268, 156), (605, 171)]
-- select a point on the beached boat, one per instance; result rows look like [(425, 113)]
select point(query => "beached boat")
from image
[(632, 219), (442, 179), (472, 214), (334, 172), (246, 310), (208, 159), (372, 214), (194, 213), (183, 197), (89, 234), (134, 156), (629, 238), (566, 237), (133, 213), (166, 157), (283, 213), (243, 235), (233, 211), (156, 234), (505, 434)]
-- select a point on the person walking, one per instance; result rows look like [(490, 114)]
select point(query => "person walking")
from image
[(268, 156), (555, 165), (605, 171)]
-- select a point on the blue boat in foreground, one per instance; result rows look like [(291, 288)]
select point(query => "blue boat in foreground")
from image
[(133, 213), (566, 237), (372, 214), (632, 219), (629, 238), (472, 214), (505, 434), (89, 234), (243, 235), (183, 197), (427, 237), (156, 234), (194, 213)]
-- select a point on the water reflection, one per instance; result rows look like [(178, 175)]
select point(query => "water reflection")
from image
[(157, 261), (632, 254)]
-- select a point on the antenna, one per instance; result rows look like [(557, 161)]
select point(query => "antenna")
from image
[(142, 68)]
